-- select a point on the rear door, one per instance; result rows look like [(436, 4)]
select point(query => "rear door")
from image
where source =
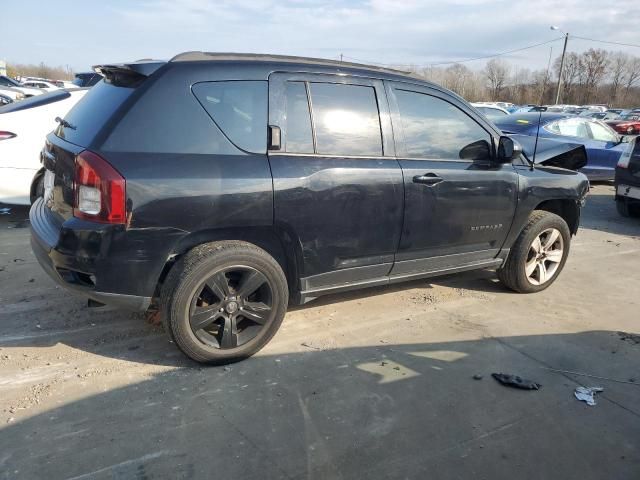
[(338, 188), (459, 204)]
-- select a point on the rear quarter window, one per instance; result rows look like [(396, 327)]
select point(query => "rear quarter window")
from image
[(239, 109), (168, 118)]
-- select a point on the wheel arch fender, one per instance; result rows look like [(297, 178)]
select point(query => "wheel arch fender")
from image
[(566, 208), (281, 244)]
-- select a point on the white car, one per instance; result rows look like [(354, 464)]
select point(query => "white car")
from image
[(8, 82), (491, 111), (48, 86), (23, 128)]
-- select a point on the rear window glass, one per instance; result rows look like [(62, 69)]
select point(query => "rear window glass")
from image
[(239, 108), (90, 114), (167, 118), (346, 119)]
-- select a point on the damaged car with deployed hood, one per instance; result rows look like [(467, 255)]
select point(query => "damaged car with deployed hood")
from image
[(221, 188), (602, 144)]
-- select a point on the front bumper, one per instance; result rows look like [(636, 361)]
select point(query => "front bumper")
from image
[(66, 270)]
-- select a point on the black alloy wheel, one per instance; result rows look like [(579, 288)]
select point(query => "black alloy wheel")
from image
[(231, 307)]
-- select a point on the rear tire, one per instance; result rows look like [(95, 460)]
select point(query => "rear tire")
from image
[(223, 301), (626, 209), (538, 255)]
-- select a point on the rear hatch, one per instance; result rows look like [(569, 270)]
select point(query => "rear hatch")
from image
[(84, 127)]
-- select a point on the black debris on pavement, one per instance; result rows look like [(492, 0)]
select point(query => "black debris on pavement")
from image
[(477, 376), (515, 381)]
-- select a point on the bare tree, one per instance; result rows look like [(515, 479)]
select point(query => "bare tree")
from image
[(570, 73), (497, 73), (617, 73), (457, 78), (594, 64), (632, 76)]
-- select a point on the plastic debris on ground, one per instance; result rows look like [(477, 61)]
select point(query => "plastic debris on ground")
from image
[(515, 381), (587, 394)]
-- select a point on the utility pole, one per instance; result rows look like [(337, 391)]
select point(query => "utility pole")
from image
[(564, 50), (341, 57)]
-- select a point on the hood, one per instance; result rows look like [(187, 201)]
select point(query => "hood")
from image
[(622, 122), (553, 153)]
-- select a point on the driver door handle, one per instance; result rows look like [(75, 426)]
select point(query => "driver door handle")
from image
[(428, 179)]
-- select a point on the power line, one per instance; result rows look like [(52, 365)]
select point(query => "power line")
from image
[(605, 41), (433, 64)]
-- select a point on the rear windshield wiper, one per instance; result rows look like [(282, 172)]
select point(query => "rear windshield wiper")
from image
[(64, 123)]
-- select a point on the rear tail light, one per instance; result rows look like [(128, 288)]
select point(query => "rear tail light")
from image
[(100, 190), (6, 135), (623, 161)]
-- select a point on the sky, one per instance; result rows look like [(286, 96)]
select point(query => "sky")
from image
[(84, 33)]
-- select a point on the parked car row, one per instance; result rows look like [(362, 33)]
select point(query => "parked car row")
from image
[(12, 90)]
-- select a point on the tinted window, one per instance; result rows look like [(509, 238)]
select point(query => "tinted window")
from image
[(434, 128), (299, 138), (167, 118), (346, 119), (239, 108), (90, 114)]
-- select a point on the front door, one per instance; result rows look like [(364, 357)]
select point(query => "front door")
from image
[(338, 188), (459, 203)]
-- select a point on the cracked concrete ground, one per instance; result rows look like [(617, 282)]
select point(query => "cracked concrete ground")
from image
[(370, 384)]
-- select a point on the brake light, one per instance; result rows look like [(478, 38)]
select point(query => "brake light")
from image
[(100, 191), (623, 161), (6, 135)]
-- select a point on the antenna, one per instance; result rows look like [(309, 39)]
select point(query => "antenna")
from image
[(544, 86)]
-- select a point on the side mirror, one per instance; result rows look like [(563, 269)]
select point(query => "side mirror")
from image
[(508, 150)]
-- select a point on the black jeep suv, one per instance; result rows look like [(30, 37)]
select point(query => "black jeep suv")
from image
[(227, 186)]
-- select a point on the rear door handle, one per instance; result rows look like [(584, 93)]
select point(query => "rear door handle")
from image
[(428, 179)]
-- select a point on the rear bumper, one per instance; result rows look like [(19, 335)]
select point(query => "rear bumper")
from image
[(70, 272)]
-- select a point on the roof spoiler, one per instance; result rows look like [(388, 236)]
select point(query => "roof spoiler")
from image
[(128, 74)]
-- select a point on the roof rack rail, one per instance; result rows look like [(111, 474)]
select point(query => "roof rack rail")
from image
[(198, 56)]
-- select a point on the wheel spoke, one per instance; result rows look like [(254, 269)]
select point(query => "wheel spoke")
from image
[(531, 267), (202, 317), (256, 311), (551, 239), (229, 333), (219, 285), (554, 256), (250, 282), (536, 245), (542, 273)]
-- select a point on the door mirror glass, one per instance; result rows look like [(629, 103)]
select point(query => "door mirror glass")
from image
[(508, 149)]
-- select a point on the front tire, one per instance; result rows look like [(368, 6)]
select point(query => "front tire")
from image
[(538, 255), (223, 301)]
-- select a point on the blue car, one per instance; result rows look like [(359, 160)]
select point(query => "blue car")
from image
[(603, 145)]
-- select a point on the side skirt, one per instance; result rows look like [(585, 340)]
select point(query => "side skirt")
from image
[(311, 294)]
